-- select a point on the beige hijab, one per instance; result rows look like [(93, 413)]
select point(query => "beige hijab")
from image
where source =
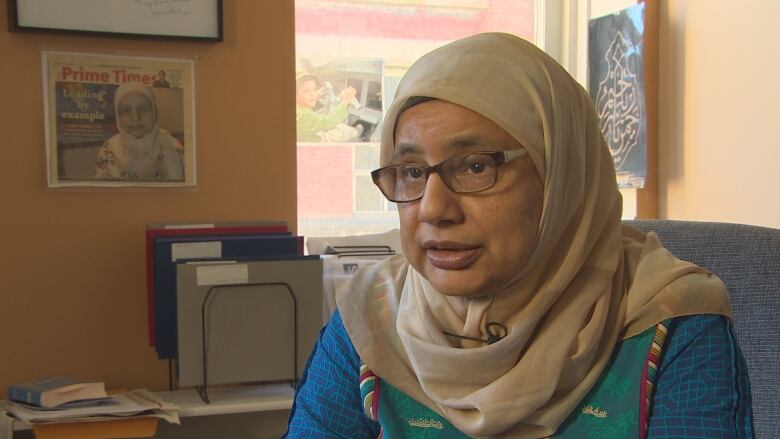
[(588, 282)]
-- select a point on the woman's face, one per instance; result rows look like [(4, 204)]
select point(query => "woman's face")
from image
[(136, 114), (466, 244)]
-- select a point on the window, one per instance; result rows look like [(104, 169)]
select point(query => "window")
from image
[(366, 46)]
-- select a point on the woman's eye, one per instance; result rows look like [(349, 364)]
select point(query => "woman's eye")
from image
[(413, 173), (141, 109), (476, 168), (476, 165)]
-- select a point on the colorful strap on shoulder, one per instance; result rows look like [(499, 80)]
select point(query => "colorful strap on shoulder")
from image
[(369, 392), (650, 375)]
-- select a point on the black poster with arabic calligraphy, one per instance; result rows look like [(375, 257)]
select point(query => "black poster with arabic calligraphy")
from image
[(617, 86)]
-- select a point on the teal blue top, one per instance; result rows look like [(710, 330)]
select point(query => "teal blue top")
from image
[(700, 391)]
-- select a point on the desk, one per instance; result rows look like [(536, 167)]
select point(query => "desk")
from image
[(257, 411)]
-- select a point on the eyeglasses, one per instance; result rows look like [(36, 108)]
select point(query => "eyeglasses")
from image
[(463, 173), (139, 110)]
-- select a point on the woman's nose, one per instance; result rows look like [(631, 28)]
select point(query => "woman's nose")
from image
[(439, 205)]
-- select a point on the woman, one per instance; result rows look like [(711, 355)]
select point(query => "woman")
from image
[(521, 307), (141, 150)]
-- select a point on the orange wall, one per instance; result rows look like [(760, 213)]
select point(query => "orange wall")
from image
[(72, 262)]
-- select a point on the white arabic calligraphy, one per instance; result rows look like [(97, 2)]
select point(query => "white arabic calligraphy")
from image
[(618, 101)]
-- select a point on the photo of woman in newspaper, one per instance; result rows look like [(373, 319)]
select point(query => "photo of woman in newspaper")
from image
[(141, 150), (119, 121)]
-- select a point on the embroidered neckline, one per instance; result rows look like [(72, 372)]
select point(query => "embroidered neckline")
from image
[(425, 423), (595, 411)]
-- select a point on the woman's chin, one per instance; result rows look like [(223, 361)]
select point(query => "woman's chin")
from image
[(138, 134), (456, 283)]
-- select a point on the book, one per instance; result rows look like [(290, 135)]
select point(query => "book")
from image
[(55, 391), (174, 229)]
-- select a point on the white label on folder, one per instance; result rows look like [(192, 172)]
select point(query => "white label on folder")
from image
[(196, 250), (223, 274), (189, 226)]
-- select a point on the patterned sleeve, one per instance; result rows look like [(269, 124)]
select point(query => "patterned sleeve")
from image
[(102, 164), (327, 402), (702, 389)]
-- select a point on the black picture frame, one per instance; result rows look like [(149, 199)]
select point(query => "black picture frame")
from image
[(21, 21)]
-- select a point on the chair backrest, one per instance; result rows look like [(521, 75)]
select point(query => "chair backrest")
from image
[(747, 259)]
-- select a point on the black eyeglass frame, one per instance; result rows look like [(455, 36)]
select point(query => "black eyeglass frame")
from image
[(501, 157)]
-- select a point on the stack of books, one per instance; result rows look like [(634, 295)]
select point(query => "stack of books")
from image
[(68, 400)]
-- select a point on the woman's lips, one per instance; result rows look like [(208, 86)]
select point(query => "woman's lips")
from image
[(452, 258)]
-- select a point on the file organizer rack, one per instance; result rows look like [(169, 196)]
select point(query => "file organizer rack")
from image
[(360, 250), (203, 389)]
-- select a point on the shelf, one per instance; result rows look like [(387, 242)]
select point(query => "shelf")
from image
[(234, 399), (225, 400)]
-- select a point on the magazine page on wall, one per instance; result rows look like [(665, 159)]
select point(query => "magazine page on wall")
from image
[(338, 100), (117, 121), (339, 103)]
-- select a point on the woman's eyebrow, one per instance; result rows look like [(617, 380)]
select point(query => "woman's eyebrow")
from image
[(470, 140), (403, 149), (457, 143)]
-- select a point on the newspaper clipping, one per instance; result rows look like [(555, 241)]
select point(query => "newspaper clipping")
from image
[(338, 100), (115, 121)]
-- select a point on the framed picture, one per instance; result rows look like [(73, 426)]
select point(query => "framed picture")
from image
[(113, 121), (174, 19)]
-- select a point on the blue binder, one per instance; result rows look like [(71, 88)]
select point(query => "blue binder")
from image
[(168, 249)]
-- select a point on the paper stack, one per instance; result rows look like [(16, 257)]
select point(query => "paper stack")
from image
[(133, 404)]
